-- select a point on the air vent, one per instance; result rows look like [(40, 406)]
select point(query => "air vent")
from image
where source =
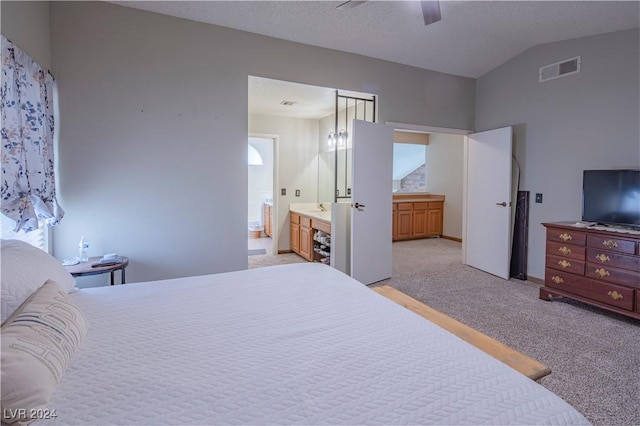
[(287, 103), (559, 69)]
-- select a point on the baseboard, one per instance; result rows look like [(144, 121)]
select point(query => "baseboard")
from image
[(538, 281), (456, 239), (284, 251)]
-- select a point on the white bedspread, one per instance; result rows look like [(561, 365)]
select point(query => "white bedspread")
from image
[(291, 344)]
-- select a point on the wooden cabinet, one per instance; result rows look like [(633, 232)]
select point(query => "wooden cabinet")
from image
[(306, 243), (419, 219), (394, 219), (267, 219), (597, 267), (420, 225), (294, 239), (303, 229), (435, 218), (405, 219)]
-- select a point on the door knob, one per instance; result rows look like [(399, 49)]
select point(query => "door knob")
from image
[(503, 204), (358, 206)]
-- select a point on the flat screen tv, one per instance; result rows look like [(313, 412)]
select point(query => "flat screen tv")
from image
[(611, 197)]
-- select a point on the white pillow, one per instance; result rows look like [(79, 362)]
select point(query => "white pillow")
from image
[(38, 342), (24, 269)]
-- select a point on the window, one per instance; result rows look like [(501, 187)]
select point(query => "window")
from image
[(409, 167), (38, 237)]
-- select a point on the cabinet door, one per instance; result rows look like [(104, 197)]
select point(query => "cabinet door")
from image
[(394, 226), (295, 238), (404, 224), (419, 223), (306, 243), (434, 222), (265, 219)]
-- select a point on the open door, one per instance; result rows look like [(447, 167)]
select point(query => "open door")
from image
[(488, 201), (371, 207)]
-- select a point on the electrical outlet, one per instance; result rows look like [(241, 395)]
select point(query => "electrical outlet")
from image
[(538, 197), (283, 191), (297, 192)]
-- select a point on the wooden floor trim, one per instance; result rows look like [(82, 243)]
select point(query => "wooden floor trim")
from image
[(516, 360)]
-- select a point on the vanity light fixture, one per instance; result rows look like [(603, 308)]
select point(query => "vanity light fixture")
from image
[(342, 138), (339, 141), (331, 140)]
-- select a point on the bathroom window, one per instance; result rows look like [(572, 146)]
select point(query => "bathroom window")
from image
[(409, 167)]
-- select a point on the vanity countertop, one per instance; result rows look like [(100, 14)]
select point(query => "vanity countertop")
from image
[(416, 198), (314, 213)]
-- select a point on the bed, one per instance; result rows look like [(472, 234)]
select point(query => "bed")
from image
[(288, 344)]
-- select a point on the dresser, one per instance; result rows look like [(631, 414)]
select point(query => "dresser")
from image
[(598, 267)]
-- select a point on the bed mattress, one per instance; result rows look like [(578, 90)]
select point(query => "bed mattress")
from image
[(290, 344)]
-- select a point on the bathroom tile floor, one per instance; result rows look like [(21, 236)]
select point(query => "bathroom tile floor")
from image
[(260, 243)]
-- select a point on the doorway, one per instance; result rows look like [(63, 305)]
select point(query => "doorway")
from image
[(261, 168)]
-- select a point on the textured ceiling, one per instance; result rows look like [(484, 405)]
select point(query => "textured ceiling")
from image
[(472, 38)]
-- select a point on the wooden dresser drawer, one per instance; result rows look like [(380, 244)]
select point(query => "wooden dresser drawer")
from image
[(560, 280), (566, 236), (565, 264), (611, 294), (305, 221), (616, 260), (612, 275), (638, 301), (420, 206), (321, 226), (566, 250), (604, 242)]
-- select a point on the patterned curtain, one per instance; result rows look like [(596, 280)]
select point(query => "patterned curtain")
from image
[(28, 184)]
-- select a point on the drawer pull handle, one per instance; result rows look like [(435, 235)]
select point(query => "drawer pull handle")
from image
[(564, 250), (615, 295), (564, 263), (556, 279), (565, 237), (610, 244), (602, 272), (603, 258)]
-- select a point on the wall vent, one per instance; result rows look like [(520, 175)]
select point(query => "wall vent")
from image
[(559, 69)]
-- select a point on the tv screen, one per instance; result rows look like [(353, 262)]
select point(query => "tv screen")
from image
[(611, 197)]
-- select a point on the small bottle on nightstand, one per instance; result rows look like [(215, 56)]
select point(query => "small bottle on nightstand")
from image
[(83, 247)]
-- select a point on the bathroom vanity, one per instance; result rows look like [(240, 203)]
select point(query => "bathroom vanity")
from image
[(417, 216), (311, 233)]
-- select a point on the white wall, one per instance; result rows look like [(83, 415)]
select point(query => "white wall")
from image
[(154, 129), (297, 161), (445, 155), (588, 120), (27, 24)]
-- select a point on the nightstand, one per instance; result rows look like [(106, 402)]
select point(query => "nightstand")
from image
[(83, 269)]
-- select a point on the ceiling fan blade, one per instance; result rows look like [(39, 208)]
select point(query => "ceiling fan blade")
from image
[(350, 4), (431, 11)]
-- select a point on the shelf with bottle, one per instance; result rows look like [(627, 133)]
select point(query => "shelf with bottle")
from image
[(322, 247)]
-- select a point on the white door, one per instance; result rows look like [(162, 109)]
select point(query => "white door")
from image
[(371, 201), (488, 201)]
